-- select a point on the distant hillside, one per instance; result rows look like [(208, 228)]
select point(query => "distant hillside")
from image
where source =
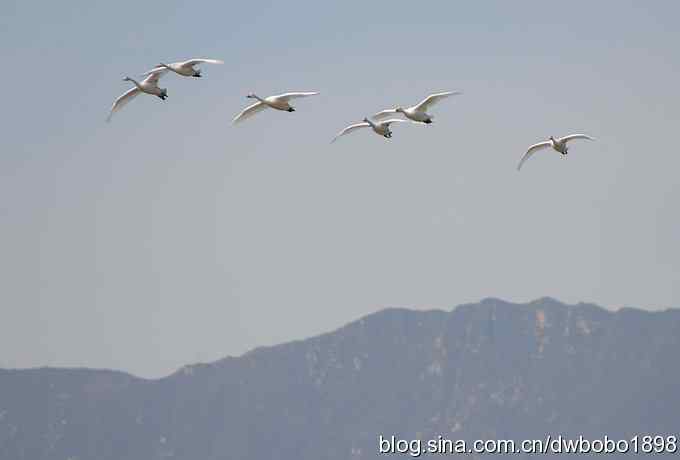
[(487, 370)]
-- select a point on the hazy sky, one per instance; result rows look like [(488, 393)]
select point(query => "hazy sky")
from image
[(169, 236)]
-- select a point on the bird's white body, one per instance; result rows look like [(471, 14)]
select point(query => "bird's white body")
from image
[(381, 128), (418, 112), (559, 144), (278, 102), (149, 86), (185, 68)]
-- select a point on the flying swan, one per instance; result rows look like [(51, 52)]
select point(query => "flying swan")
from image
[(380, 127), (278, 102), (149, 86), (419, 111), (559, 144), (185, 68)]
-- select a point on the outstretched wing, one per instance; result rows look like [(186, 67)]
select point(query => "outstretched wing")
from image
[(122, 100), (193, 62), (432, 99), (249, 112), (576, 136), (294, 95), (384, 114), (350, 129), (530, 151), (155, 75)]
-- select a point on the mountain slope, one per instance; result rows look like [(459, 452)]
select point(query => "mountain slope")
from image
[(487, 370)]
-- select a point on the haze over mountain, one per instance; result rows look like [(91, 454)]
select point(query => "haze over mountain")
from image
[(486, 370)]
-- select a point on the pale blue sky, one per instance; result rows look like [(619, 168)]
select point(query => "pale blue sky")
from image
[(169, 236)]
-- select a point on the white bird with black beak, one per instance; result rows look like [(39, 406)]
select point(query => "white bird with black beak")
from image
[(559, 144), (185, 68), (382, 128), (417, 112), (148, 86), (278, 102)]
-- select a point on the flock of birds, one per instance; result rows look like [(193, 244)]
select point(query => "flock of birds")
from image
[(379, 123)]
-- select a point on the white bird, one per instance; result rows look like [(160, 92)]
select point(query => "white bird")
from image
[(278, 102), (185, 68), (559, 144), (149, 86), (419, 111), (381, 127)]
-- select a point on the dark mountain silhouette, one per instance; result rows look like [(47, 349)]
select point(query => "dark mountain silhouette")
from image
[(492, 370)]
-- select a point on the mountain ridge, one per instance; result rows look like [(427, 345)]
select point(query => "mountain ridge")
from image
[(484, 301)]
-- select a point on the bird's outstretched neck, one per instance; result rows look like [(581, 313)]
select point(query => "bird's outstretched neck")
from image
[(136, 83), (255, 96)]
